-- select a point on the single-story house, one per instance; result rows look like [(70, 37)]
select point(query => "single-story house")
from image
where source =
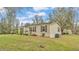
[(43, 29)]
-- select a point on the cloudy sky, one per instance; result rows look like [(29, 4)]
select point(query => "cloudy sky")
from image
[(26, 14)]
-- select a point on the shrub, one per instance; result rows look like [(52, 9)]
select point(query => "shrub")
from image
[(33, 35), (26, 34), (43, 35), (56, 35)]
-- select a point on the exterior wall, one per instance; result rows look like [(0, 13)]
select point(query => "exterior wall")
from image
[(48, 30), (46, 33), (54, 30), (38, 30), (26, 30), (18, 30)]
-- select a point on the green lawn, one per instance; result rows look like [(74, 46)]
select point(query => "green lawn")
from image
[(34, 43)]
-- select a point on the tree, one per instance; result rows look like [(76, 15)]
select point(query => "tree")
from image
[(21, 29), (50, 16), (64, 17), (11, 19), (70, 18), (76, 20), (3, 25), (38, 19), (41, 20)]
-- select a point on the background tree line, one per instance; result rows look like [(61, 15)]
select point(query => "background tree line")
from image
[(9, 24), (64, 17)]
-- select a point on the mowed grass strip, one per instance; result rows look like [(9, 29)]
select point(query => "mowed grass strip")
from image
[(14, 42)]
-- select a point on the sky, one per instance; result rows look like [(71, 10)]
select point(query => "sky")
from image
[(26, 14)]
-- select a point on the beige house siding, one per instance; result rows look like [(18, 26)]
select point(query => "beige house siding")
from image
[(38, 30), (52, 29), (26, 30), (46, 33), (48, 30)]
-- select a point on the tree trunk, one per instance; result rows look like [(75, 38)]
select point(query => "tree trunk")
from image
[(62, 31)]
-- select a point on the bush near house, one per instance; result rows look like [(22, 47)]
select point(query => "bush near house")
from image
[(33, 35)]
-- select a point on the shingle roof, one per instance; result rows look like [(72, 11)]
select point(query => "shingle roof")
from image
[(38, 24)]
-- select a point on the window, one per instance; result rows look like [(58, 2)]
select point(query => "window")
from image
[(26, 31), (35, 28), (32, 29), (58, 29), (44, 28)]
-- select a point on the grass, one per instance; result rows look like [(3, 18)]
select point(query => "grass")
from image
[(35, 43)]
